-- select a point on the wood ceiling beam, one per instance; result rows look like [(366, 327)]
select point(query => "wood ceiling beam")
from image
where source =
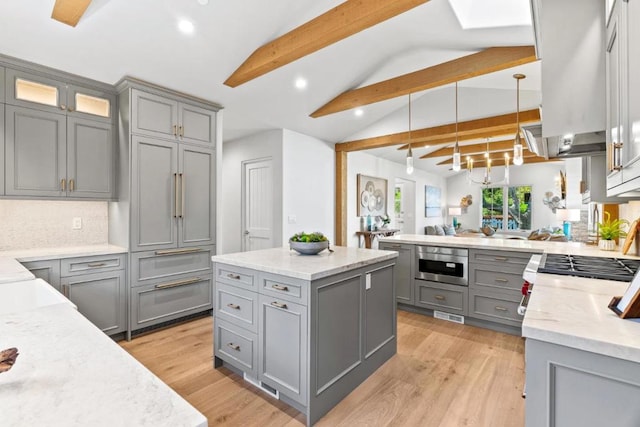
[(69, 11), (465, 150), (473, 129), (496, 159), (498, 163), (337, 24), (477, 64)]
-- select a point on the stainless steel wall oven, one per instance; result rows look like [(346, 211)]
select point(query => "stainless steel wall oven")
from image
[(444, 265)]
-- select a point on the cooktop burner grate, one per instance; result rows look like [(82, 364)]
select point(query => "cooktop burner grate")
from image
[(618, 269)]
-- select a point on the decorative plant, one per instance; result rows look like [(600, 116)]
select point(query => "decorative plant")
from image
[(308, 238), (610, 230), (385, 219)]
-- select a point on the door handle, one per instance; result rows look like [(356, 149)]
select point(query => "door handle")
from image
[(233, 306), (63, 184), (175, 189), (279, 305), (175, 130), (280, 288), (72, 185), (246, 232), (233, 346), (178, 251), (177, 283), (182, 191), (181, 129)]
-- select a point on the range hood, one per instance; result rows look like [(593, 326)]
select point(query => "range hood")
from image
[(565, 146)]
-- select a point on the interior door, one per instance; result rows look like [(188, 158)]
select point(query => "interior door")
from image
[(257, 207)]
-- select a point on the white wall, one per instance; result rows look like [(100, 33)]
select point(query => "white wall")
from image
[(259, 146), (541, 176), (308, 189), (361, 162)]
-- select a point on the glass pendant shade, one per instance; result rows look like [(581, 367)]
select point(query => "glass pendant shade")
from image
[(518, 158), (410, 162), (456, 161)]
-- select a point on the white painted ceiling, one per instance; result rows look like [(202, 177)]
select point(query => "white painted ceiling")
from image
[(140, 38)]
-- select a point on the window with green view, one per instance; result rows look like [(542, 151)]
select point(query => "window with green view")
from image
[(512, 212)]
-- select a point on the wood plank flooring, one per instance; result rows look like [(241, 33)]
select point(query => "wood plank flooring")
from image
[(444, 375)]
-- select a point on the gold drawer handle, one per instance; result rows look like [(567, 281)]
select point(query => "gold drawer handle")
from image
[(440, 298), (396, 246), (233, 346), (234, 306), (97, 264), (498, 279), (280, 288), (501, 308), (179, 283), (177, 251), (500, 258), (279, 305), (233, 276), (63, 184)]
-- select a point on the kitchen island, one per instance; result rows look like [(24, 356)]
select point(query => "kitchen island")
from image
[(307, 329)]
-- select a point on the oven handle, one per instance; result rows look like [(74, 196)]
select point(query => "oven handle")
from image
[(444, 258)]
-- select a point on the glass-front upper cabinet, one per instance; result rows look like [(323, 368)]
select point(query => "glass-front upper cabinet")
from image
[(90, 103), (30, 90)]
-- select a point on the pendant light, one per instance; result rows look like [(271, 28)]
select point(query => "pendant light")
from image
[(410, 153), (456, 148), (518, 158)]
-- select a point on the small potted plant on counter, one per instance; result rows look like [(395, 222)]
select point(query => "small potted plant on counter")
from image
[(309, 244), (609, 230)]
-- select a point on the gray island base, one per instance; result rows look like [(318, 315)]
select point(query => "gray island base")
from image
[(307, 329)]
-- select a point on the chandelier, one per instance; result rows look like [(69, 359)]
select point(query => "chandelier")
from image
[(486, 178)]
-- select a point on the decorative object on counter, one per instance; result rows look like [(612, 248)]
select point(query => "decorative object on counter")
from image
[(409, 152), (309, 244), (487, 162), (453, 211), (631, 235), (8, 359), (488, 230), (385, 220), (370, 236), (372, 195), (432, 202), (518, 158), (553, 234), (609, 230), (567, 216), (552, 201), (628, 305)]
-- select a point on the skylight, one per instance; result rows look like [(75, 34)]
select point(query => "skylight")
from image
[(473, 14)]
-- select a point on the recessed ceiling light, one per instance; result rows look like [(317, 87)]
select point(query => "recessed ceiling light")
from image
[(301, 83), (359, 112), (203, 2), (186, 26)]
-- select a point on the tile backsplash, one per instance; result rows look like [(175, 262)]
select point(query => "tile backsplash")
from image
[(28, 224)]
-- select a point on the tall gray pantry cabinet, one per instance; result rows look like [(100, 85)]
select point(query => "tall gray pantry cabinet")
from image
[(165, 212)]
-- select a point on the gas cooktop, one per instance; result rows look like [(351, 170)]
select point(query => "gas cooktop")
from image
[(618, 269)]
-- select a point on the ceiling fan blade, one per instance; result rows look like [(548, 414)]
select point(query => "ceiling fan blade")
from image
[(69, 11)]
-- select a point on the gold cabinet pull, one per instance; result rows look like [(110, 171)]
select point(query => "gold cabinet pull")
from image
[(97, 264), (501, 308), (233, 346), (175, 130), (233, 306), (177, 251), (72, 185), (63, 107), (65, 290), (280, 288), (63, 184), (70, 109), (177, 283), (233, 276), (500, 258), (440, 298), (279, 305), (183, 186), (181, 128), (498, 279), (175, 198)]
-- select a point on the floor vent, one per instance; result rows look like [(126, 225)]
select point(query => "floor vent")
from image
[(450, 317), (262, 386)]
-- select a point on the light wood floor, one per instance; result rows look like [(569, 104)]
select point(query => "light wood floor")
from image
[(443, 375)]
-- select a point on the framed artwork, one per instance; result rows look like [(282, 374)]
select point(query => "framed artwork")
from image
[(432, 206), (372, 195)]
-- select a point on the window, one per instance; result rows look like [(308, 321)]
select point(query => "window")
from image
[(516, 207)]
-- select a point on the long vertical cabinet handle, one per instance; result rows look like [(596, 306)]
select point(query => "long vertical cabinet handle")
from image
[(63, 184), (175, 189), (182, 191), (72, 185)]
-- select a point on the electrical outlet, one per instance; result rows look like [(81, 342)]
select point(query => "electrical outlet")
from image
[(292, 219), (77, 223)]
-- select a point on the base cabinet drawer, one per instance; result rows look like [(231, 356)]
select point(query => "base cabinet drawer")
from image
[(92, 264), (152, 266), (285, 288), (499, 258), (236, 346), (441, 297), (157, 303), (499, 308), (492, 278), (236, 276), (237, 306)]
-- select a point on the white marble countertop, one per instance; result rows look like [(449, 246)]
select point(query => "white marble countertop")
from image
[(517, 245), (12, 271), (69, 373), (308, 267), (40, 254), (572, 312), (28, 295)]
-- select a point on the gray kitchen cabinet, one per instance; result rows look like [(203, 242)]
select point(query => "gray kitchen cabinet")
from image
[(173, 195), (495, 307), (404, 270), (2, 149), (90, 103), (2, 72), (441, 297), (282, 346), (47, 270), (316, 340), (594, 181), (154, 266), (165, 117), (36, 153)]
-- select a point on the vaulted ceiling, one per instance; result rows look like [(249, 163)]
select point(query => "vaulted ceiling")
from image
[(407, 52)]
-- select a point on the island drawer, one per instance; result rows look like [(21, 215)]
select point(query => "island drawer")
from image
[(153, 266), (499, 258), (236, 276), (182, 296), (500, 308), (236, 346), (482, 276), (441, 297), (286, 288), (237, 306), (91, 264)]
